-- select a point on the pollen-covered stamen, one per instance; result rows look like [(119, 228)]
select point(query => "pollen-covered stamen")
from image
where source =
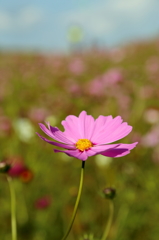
[(84, 144)]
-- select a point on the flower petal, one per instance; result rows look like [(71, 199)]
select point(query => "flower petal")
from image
[(74, 153), (70, 125), (119, 132), (121, 150), (112, 130), (56, 143), (99, 126), (55, 133), (99, 149), (45, 130), (86, 125)]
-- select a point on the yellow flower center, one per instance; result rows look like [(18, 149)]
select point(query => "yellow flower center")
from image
[(83, 144)]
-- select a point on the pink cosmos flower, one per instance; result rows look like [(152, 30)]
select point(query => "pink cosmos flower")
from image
[(85, 137)]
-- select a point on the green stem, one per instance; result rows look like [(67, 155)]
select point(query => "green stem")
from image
[(24, 218), (13, 208), (77, 202), (107, 228)]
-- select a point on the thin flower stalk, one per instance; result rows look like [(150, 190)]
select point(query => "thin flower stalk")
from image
[(13, 208), (77, 202), (109, 223)]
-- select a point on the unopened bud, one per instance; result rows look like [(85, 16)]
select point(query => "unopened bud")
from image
[(4, 167), (109, 192)]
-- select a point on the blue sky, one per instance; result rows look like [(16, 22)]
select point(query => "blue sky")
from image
[(44, 25)]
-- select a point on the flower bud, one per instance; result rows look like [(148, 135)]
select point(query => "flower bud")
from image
[(4, 167), (109, 192)]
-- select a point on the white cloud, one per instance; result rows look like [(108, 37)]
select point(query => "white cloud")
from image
[(30, 16), (135, 9), (105, 18), (125, 5), (25, 18)]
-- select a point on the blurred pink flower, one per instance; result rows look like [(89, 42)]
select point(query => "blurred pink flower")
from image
[(77, 66), (112, 76), (38, 114), (43, 202), (17, 166), (19, 169), (85, 137), (96, 87), (151, 139)]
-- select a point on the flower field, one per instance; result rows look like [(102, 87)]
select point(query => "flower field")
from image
[(37, 88)]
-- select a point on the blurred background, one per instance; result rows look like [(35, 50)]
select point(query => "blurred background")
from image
[(59, 58)]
